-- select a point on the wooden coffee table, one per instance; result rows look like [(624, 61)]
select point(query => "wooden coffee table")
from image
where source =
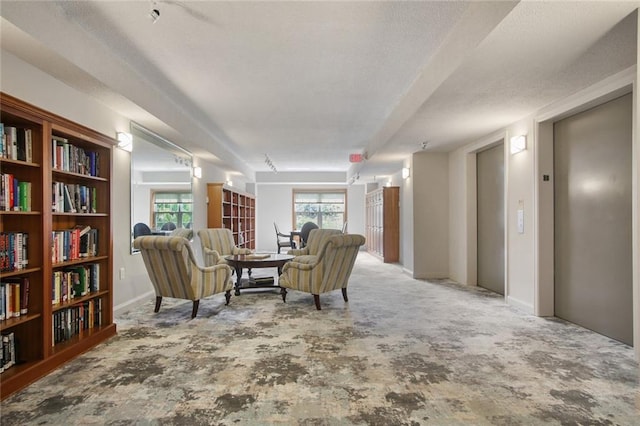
[(256, 261)]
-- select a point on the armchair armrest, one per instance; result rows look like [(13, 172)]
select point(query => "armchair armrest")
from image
[(211, 279), (304, 263), (237, 250), (212, 256), (299, 252)]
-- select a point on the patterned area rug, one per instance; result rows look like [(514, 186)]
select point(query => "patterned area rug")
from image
[(401, 352)]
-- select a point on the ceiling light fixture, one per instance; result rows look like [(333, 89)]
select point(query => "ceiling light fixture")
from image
[(269, 163), (154, 13)]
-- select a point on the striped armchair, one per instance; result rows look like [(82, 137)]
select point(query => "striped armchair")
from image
[(218, 243), (174, 272), (328, 270), (317, 237)]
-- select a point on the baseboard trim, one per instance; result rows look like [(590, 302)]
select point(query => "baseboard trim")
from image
[(408, 272), (124, 307), (520, 305)]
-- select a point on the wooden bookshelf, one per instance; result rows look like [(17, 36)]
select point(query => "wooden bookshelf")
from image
[(235, 210), (36, 353), (383, 223)]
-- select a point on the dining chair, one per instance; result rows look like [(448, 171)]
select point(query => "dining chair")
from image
[(304, 232), (286, 242), (169, 226), (140, 229)]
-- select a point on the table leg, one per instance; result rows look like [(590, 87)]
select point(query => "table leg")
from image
[(238, 280)]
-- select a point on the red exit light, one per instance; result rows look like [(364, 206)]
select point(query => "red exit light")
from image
[(355, 158)]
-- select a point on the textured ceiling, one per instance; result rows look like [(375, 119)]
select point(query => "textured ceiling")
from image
[(308, 83)]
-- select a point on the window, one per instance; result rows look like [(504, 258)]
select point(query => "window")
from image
[(327, 209), (173, 207)]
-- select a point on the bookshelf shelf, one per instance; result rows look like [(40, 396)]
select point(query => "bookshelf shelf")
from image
[(19, 272), (35, 352), (21, 163), (76, 300), (12, 322), (78, 175), (29, 213), (94, 259), (80, 214), (84, 338), (235, 210)]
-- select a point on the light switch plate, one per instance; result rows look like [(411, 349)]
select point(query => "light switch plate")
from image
[(520, 221)]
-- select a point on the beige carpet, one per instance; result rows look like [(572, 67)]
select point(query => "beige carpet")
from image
[(401, 352)]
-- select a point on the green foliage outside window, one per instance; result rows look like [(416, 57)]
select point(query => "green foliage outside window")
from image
[(325, 209), (176, 207)]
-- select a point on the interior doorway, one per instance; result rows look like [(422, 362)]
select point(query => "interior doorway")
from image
[(490, 218), (593, 282)]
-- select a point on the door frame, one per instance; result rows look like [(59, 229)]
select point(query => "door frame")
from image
[(611, 88), (505, 154)]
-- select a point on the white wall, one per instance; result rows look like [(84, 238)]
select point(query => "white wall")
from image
[(406, 219), (274, 203), (519, 264), (355, 209)]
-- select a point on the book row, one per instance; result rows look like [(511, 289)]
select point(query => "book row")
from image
[(73, 244), (14, 297), (14, 253), (16, 143), (74, 282), (73, 320), (70, 158), (15, 195), (7, 352), (73, 198)]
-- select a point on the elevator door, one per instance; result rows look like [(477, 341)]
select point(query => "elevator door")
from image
[(490, 193), (592, 196)]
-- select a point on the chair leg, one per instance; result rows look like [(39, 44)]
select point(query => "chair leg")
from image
[(194, 311), (227, 296), (316, 298), (279, 248), (283, 292), (158, 302), (344, 294)]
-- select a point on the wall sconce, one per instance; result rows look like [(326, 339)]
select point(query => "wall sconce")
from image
[(125, 141), (406, 172), (197, 172), (230, 183), (518, 144)]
